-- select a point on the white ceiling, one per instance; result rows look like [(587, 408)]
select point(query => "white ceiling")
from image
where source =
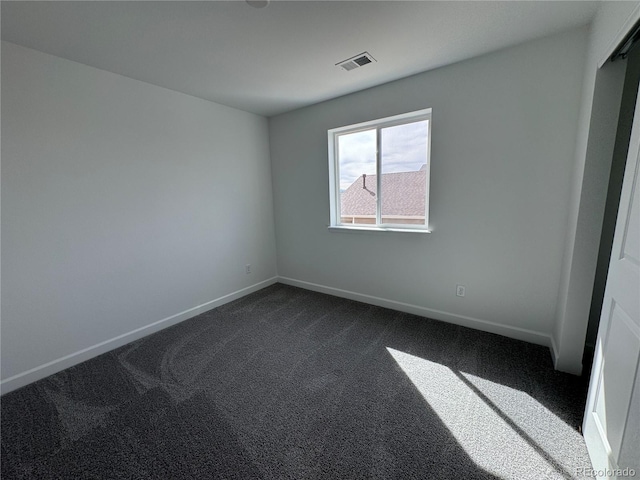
[(281, 57)]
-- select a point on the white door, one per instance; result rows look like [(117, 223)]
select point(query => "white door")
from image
[(612, 417)]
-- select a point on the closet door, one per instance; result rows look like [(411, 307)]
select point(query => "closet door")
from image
[(612, 417)]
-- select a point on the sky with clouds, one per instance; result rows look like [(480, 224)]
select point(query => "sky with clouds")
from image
[(404, 149)]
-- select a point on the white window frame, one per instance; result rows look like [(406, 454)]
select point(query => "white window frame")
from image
[(334, 172)]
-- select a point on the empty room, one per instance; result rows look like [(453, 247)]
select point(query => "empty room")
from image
[(320, 239)]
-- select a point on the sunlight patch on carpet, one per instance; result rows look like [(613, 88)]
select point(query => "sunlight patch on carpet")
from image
[(497, 437)]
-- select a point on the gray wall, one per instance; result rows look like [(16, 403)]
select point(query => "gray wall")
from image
[(123, 204), (504, 136)]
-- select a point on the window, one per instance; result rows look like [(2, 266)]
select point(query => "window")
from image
[(379, 173)]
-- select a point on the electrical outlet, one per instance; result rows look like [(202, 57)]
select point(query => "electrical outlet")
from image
[(247, 269), (460, 290)]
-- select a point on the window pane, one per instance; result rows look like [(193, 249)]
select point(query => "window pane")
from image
[(357, 168), (404, 180)]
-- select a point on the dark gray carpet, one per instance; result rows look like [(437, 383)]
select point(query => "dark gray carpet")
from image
[(291, 384)]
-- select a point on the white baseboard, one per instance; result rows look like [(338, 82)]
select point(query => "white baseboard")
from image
[(555, 355), (517, 333), (562, 365), (42, 371)]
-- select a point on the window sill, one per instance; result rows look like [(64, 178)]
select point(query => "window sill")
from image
[(343, 228)]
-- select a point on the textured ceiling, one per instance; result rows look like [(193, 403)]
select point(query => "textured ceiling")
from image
[(281, 57)]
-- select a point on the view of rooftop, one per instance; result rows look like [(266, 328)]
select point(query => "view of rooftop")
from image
[(403, 198), (403, 158)]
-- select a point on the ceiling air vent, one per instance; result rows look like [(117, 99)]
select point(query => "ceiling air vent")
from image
[(355, 62)]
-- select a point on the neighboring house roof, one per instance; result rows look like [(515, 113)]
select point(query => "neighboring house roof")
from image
[(403, 194)]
